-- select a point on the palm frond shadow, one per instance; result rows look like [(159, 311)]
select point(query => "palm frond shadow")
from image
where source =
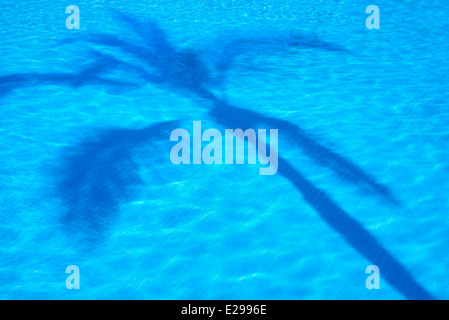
[(93, 73), (184, 71), (96, 176)]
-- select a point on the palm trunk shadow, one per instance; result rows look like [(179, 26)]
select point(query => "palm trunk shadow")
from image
[(354, 233), (360, 239)]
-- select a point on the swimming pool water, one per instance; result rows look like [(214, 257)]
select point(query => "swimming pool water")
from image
[(86, 177)]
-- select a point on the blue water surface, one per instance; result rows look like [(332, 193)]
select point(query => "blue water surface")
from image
[(86, 177)]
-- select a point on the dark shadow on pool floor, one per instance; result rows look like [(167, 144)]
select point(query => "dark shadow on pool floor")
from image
[(96, 175), (91, 74)]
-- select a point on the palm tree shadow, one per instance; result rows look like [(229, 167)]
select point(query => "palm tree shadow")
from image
[(96, 175)]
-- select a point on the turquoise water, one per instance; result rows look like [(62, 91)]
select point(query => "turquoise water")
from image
[(86, 177)]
